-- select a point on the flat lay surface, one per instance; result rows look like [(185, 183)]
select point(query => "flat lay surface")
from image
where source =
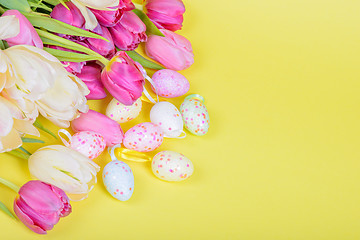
[(280, 161)]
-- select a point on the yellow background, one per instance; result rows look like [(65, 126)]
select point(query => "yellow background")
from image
[(281, 160)]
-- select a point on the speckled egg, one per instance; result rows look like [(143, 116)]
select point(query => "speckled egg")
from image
[(168, 118), (195, 115), (88, 143), (172, 166), (122, 113), (118, 180), (170, 84), (144, 137)]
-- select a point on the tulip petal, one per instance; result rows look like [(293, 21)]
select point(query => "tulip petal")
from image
[(90, 19), (27, 220), (6, 120), (9, 27)]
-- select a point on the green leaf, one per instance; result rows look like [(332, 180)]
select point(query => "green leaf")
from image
[(38, 124), (21, 5), (143, 61), (31, 140), (19, 154), (6, 210), (69, 56), (151, 29), (54, 25), (53, 2), (25, 151), (42, 6)]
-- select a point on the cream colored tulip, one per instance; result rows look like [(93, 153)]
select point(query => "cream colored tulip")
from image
[(41, 83), (13, 126), (65, 168)]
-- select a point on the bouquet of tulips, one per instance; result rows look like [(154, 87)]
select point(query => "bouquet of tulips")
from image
[(57, 54)]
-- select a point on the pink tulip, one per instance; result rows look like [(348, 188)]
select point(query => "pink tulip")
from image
[(111, 18), (91, 76), (104, 48), (173, 51), (129, 32), (166, 14), (27, 34), (123, 79), (40, 205), (72, 17), (101, 124)]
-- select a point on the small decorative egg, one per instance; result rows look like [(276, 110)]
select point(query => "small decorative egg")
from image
[(195, 114), (171, 166), (170, 84), (88, 143), (168, 118), (122, 113), (143, 137), (118, 180)]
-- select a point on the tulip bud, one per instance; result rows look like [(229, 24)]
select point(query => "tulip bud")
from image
[(123, 79), (166, 14), (72, 16), (129, 32), (65, 168), (27, 34), (40, 205), (91, 76), (173, 51), (101, 124), (104, 48)]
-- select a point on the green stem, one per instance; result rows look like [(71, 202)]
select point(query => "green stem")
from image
[(139, 6), (19, 154), (2, 10), (9, 184)]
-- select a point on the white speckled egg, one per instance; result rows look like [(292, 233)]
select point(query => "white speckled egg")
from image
[(143, 137), (118, 180), (88, 143), (171, 166), (195, 114), (170, 84), (122, 113), (168, 118)]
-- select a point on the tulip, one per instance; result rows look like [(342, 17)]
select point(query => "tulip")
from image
[(123, 79), (64, 168), (26, 34), (42, 83), (112, 17), (173, 51), (40, 206), (96, 4), (166, 14), (129, 32), (71, 16), (104, 48), (91, 76), (101, 124)]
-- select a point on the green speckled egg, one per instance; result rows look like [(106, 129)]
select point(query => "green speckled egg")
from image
[(195, 115)]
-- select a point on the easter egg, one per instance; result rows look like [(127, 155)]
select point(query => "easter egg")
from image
[(170, 84), (171, 166), (143, 137), (168, 118), (195, 115), (122, 113), (88, 143), (118, 180)]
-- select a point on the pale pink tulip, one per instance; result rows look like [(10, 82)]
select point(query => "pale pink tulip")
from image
[(123, 79), (99, 123), (166, 14), (91, 76), (173, 51), (40, 205), (129, 32), (27, 34)]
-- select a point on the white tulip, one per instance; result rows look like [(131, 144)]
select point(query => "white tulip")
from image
[(65, 168)]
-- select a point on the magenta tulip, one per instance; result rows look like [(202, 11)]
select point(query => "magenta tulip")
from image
[(166, 14), (112, 17), (27, 34), (72, 16), (123, 79), (40, 205), (129, 32), (91, 76), (101, 124), (173, 51), (104, 48)]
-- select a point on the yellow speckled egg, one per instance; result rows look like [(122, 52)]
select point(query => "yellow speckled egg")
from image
[(122, 113)]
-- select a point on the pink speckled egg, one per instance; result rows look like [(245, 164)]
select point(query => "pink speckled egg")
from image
[(172, 166), (170, 84), (88, 143), (144, 137)]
